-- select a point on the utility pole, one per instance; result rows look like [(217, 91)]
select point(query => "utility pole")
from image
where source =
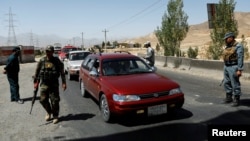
[(105, 36), (82, 42), (12, 41), (31, 39)]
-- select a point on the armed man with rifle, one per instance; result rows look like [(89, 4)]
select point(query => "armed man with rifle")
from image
[(233, 56), (36, 85), (48, 71)]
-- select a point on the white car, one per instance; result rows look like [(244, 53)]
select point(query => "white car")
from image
[(73, 62)]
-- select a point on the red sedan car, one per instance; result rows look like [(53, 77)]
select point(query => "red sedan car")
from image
[(123, 83)]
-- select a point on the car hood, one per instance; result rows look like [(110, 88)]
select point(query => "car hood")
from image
[(75, 63), (139, 83)]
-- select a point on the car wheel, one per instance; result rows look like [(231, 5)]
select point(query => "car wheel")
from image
[(82, 88), (104, 107)]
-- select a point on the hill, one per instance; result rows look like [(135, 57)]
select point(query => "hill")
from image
[(199, 34)]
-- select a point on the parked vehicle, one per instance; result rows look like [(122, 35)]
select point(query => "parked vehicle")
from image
[(57, 51), (73, 62), (125, 84)]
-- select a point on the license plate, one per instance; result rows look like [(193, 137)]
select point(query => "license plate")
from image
[(157, 110)]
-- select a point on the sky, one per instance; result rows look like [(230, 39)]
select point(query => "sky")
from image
[(89, 19)]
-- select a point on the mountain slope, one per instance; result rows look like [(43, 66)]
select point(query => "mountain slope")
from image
[(199, 34)]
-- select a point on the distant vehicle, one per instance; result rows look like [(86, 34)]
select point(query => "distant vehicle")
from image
[(73, 62), (57, 51), (65, 50), (123, 83)]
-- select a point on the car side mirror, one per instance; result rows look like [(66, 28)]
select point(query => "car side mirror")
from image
[(93, 73), (154, 69)]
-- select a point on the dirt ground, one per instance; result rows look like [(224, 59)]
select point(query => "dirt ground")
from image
[(17, 124)]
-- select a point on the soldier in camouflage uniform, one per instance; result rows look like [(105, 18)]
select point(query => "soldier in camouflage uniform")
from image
[(233, 56), (48, 71)]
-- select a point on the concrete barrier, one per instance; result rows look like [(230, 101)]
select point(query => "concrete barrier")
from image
[(203, 66), (27, 54)]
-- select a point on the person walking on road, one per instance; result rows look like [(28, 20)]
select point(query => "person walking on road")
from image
[(150, 57), (233, 56), (48, 71), (12, 69)]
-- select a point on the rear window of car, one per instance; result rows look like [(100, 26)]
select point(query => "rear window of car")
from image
[(78, 55), (124, 66)]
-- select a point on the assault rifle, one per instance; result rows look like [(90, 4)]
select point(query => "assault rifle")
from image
[(36, 85), (222, 81)]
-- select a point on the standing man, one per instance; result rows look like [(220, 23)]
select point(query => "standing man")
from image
[(233, 56), (12, 69), (150, 57), (48, 71)]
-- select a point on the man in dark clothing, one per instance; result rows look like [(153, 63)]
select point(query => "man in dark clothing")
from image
[(12, 69)]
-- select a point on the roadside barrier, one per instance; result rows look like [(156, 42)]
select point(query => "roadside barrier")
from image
[(27, 54), (206, 66)]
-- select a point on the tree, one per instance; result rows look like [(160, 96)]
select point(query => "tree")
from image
[(244, 43), (192, 53), (157, 48), (223, 22), (103, 44), (115, 44), (174, 28)]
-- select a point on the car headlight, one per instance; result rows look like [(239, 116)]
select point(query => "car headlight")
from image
[(175, 91), (125, 98)]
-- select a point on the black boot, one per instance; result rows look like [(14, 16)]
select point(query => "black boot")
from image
[(228, 98), (236, 101)]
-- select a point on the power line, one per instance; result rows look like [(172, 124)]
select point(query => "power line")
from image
[(137, 14)]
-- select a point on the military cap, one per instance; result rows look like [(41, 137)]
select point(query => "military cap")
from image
[(229, 34), (50, 48)]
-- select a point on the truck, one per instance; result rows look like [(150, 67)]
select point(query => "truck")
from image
[(65, 51)]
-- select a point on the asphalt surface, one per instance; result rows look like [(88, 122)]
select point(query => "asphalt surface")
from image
[(80, 119)]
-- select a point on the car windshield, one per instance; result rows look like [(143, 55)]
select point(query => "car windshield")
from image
[(78, 56), (125, 66)]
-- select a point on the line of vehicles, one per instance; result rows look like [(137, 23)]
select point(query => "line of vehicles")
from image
[(122, 83)]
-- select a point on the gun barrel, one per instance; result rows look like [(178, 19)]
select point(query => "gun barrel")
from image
[(31, 109)]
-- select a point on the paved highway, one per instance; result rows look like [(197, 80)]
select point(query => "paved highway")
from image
[(80, 118)]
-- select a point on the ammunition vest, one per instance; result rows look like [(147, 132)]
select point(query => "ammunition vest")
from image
[(229, 54), (50, 70)]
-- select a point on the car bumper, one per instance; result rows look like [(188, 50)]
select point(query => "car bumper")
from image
[(144, 106), (73, 72)]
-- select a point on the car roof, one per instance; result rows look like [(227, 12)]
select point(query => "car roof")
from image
[(78, 51), (113, 55)]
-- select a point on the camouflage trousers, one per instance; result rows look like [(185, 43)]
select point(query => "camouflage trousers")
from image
[(49, 98)]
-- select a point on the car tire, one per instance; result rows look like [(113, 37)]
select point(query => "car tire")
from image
[(82, 88), (104, 107)]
